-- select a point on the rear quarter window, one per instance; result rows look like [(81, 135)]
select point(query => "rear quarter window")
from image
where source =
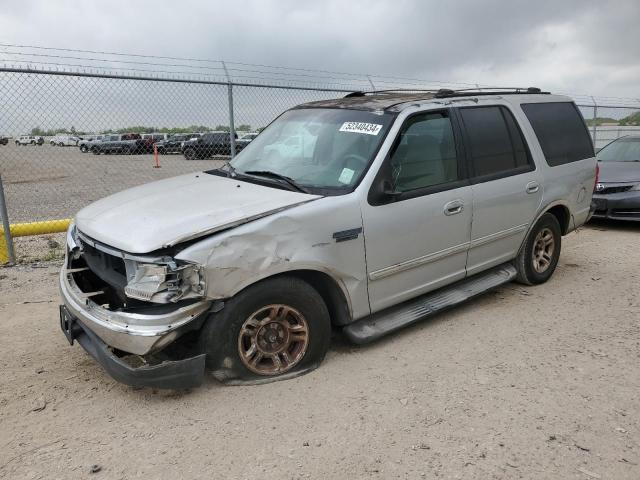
[(561, 131)]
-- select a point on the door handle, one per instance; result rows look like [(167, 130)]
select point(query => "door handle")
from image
[(533, 187), (453, 207)]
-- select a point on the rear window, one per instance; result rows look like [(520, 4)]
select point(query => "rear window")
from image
[(561, 131)]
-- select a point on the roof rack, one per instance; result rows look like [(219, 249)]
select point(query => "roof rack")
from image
[(445, 92)]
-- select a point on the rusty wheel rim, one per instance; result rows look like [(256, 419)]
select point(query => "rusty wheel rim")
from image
[(543, 247), (273, 339)]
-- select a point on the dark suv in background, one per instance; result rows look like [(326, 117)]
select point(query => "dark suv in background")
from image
[(209, 145), (174, 143)]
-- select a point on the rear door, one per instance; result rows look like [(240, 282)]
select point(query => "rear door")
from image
[(507, 187), (417, 237)]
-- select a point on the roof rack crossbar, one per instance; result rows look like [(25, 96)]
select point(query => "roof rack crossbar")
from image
[(362, 93)]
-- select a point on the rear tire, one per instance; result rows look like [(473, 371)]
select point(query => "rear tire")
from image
[(272, 330), (539, 256), (83, 148), (190, 154)]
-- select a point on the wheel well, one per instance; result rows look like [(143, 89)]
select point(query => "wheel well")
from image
[(330, 292), (562, 214)]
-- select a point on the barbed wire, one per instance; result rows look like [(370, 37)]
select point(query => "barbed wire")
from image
[(255, 73)]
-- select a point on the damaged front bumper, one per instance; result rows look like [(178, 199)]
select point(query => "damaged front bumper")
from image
[(618, 206), (101, 332), (173, 374)]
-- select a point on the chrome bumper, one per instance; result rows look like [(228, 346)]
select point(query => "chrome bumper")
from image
[(135, 333)]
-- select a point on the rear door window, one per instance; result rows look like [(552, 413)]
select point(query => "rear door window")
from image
[(561, 131), (495, 144)]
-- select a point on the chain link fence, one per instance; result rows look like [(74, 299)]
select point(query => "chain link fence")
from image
[(67, 139), (70, 138)]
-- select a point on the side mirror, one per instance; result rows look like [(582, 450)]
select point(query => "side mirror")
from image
[(388, 190)]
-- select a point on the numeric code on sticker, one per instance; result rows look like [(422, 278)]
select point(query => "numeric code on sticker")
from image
[(361, 127)]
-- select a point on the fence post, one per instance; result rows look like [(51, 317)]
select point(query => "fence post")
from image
[(7, 253), (595, 121), (232, 129)]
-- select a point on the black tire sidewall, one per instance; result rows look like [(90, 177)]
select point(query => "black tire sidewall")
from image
[(546, 221), (219, 335)]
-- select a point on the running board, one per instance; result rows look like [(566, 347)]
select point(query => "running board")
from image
[(394, 318)]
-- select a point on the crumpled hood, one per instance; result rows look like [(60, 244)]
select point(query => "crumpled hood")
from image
[(164, 213), (619, 172)]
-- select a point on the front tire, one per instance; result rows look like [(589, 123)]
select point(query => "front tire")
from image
[(275, 329), (539, 256), (83, 148)]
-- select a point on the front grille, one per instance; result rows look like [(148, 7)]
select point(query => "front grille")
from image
[(108, 268)]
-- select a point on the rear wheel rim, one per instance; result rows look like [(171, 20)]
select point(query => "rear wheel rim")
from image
[(543, 247), (273, 340)]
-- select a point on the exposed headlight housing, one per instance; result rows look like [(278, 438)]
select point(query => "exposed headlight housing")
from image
[(73, 249), (164, 283)]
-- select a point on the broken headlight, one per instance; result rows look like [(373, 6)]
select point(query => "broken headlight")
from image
[(164, 283)]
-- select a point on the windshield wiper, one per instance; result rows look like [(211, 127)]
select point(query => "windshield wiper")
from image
[(268, 173), (231, 172)]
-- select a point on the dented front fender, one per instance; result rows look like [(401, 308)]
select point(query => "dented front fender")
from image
[(300, 238)]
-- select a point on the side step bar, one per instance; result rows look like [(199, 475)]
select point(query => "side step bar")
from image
[(394, 318)]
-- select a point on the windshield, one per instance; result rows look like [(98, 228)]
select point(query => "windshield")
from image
[(327, 149), (623, 150)]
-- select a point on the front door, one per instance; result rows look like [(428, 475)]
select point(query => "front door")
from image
[(417, 219)]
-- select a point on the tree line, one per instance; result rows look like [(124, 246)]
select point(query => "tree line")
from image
[(38, 131)]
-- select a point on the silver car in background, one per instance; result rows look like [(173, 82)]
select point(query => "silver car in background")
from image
[(390, 208)]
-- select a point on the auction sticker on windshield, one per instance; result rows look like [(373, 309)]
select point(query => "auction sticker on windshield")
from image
[(360, 127)]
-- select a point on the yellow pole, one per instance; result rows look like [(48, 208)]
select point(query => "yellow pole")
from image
[(4, 253), (33, 228)]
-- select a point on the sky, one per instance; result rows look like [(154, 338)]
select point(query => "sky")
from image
[(579, 47), (582, 46)]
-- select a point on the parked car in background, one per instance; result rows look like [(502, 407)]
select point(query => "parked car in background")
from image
[(150, 139), (86, 142), (64, 141), (617, 193), (29, 140), (173, 144), (209, 145), (247, 269), (247, 137), (4, 140), (124, 144)]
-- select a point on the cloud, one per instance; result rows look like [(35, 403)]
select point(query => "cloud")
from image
[(584, 46)]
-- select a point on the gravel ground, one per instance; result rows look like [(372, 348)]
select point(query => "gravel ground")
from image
[(525, 382), (47, 183)]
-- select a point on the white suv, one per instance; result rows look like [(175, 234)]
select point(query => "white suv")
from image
[(29, 140), (406, 204)]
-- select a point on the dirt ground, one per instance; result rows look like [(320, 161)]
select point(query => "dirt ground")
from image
[(537, 383)]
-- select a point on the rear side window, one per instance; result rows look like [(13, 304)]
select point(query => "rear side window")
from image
[(495, 143), (561, 131)]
